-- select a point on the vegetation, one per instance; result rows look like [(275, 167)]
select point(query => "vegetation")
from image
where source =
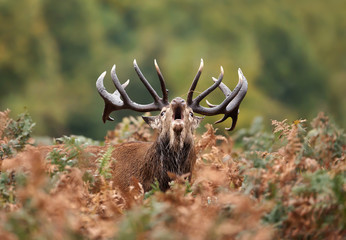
[(292, 53), (14, 134), (288, 184)]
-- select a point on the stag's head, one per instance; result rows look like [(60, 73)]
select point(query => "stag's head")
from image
[(175, 123), (176, 119)]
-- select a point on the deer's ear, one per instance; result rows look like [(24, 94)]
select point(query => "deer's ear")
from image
[(152, 121), (196, 121)]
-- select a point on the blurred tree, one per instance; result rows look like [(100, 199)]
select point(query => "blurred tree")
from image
[(53, 51), (288, 73), (27, 49), (79, 37)]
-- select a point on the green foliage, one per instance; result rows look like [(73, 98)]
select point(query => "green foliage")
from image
[(330, 192), (291, 53), (139, 222), (303, 175), (23, 224), (68, 156), (324, 141), (16, 133), (188, 187), (317, 183), (82, 140), (9, 181), (6, 188), (186, 184), (255, 138), (104, 162), (288, 72), (155, 187)]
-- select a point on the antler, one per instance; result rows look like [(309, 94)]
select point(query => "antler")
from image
[(229, 107), (120, 100)]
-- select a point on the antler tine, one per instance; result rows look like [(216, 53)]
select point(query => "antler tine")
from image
[(151, 90), (194, 83), (200, 97), (100, 86), (112, 101), (106, 96), (120, 100), (226, 91), (232, 109), (119, 87), (238, 93), (230, 106), (218, 109), (162, 83)]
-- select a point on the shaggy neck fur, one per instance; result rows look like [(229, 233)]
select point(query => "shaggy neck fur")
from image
[(165, 157), (173, 157)]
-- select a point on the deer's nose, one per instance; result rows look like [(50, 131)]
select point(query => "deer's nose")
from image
[(178, 101)]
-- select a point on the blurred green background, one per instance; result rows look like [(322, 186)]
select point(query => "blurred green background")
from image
[(52, 52)]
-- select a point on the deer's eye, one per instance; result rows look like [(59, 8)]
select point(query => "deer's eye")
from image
[(162, 113), (191, 114)]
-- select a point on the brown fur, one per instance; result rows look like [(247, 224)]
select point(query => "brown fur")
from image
[(142, 161), (173, 151)]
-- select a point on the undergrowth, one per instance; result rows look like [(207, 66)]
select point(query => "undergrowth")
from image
[(104, 162), (14, 134), (288, 184), (304, 179)]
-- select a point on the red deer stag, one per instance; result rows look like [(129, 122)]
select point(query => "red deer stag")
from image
[(173, 151)]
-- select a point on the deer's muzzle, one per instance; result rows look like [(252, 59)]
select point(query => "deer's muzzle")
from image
[(178, 106)]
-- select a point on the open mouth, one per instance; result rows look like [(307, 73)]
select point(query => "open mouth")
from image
[(178, 113), (177, 122)]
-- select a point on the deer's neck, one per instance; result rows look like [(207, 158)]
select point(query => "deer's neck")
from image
[(165, 157), (173, 157)]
